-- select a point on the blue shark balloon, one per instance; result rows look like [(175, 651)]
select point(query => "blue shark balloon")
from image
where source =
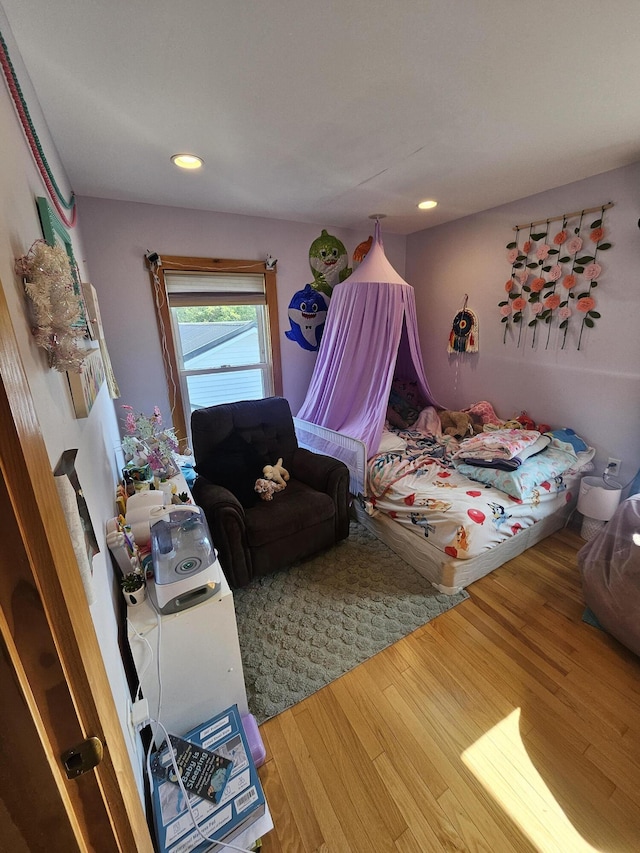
[(307, 313)]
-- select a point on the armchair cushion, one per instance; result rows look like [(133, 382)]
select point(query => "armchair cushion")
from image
[(236, 465)]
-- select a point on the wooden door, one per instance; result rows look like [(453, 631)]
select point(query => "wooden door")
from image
[(54, 688)]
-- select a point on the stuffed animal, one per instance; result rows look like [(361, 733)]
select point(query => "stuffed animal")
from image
[(276, 473), (267, 488), (457, 424), (527, 422)]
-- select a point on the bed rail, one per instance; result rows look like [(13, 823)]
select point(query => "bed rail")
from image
[(349, 450)]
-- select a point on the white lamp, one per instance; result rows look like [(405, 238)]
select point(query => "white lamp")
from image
[(597, 501)]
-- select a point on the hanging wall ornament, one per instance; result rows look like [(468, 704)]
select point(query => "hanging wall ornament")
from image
[(464, 332)]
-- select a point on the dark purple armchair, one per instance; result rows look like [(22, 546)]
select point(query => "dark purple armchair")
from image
[(232, 443)]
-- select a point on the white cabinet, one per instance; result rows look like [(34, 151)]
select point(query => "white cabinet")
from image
[(188, 663)]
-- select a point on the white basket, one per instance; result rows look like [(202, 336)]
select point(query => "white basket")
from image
[(591, 527)]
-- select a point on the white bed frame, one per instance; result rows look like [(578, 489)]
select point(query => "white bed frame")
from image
[(447, 575)]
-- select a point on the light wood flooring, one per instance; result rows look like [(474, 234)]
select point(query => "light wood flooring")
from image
[(506, 724)]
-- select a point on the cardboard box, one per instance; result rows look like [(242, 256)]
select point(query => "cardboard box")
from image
[(241, 804)]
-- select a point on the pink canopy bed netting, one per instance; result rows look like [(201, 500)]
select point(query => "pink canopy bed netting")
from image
[(370, 338), (444, 524)]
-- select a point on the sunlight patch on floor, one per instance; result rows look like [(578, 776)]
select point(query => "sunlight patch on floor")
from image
[(500, 762)]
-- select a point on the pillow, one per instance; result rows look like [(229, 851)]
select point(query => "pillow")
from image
[(429, 421), (569, 435), (550, 463), (390, 443), (236, 465), (484, 412)]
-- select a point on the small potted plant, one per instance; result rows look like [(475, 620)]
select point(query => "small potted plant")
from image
[(133, 588)]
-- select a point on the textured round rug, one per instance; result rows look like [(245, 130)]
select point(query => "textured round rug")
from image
[(302, 627)]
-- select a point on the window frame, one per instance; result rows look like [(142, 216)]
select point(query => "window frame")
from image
[(177, 263)]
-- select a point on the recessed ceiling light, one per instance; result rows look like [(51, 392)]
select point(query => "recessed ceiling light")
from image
[(427, 205), (187, 161)]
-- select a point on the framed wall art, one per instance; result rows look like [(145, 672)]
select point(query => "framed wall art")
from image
[(86, 385)]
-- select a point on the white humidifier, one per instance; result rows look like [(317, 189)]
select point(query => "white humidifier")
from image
[(185, 567)]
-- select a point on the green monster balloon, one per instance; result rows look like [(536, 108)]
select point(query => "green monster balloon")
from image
[(329, 261)]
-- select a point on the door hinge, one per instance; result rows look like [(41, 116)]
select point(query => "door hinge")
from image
[(85, 756)]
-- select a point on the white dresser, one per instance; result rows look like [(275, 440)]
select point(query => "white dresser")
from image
[(194, 656)]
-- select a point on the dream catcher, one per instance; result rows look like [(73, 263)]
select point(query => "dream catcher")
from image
[(464, 332)]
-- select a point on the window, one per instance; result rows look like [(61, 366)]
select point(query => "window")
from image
[(218, 322)]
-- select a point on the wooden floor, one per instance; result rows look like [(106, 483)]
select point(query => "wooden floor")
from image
[(506, 724)]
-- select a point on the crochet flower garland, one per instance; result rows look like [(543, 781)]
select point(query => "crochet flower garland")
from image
[(56, 308), (559, 265)]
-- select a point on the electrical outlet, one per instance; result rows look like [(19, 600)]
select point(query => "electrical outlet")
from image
[(613, 466)]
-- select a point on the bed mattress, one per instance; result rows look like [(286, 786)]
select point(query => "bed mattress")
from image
[(449, 575), (451, 528)]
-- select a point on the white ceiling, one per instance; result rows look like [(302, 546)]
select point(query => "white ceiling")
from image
[(329, 111)]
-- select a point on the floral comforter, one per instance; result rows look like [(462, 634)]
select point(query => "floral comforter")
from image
[(421, 489)]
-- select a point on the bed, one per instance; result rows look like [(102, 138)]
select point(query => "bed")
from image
[(417, 497)]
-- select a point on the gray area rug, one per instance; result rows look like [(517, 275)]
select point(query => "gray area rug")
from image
[(303, 627)]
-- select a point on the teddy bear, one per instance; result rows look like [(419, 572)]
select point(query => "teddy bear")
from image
[(267, 488), (457, 424), (276, 473)]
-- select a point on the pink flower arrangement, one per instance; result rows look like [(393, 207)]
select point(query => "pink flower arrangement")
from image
[(560, 238), (523, 275), (508, 285), (512, 254), (569, 281), (592, 271), (574, 245), (537, 284), (564, 313), (596, 235), (552, 301), (587, 303), (536, 308), (542, 252), (555, 272), (505, 310), (527, 247), (519, 304)]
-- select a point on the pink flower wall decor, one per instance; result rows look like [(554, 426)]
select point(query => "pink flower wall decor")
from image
[(574, 245), (592, 271), (555, 272), (553, 278)]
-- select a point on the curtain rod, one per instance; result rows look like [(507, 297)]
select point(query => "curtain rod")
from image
[(563, 216)]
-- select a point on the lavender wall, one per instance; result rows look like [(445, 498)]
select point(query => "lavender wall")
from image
[(116, 237), (595, 390)]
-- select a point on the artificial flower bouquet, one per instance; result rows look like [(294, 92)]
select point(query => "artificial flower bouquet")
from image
[(148, 442)]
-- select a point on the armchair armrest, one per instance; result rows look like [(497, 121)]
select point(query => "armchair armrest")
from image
[(226, 520), (328, 475)]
